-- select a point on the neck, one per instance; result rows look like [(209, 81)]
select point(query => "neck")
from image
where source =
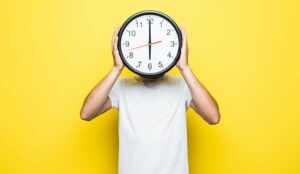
[(152, 79)]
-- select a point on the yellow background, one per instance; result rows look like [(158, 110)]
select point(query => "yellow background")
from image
[(54, 52)]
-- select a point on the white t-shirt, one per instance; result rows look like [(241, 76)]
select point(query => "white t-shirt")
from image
[(152, 124)]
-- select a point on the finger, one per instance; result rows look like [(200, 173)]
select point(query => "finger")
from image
[(115, 34), (184, 38), (182, 30), (112, 42), (116, 31), (115, 45), (183, 34)]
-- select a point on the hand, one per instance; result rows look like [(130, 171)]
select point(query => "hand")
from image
[(115, 52), (183, 60)]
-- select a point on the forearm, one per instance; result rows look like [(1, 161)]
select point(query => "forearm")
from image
[(205, 104), (97, 97)]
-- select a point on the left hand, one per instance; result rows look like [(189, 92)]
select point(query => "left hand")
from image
[(183, 60)]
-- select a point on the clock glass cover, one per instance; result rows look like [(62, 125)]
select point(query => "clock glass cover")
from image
[(149, 43)]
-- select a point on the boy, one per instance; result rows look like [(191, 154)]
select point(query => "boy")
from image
[(152, 114)]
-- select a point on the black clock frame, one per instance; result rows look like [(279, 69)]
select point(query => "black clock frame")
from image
[(166, 17)]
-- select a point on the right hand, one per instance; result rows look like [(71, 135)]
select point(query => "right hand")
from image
[(115, 52)]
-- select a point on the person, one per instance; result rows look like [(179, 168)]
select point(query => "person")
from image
[(152, 114)]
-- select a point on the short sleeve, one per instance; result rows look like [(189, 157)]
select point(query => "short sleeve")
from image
[(114, 94), (187, 94)]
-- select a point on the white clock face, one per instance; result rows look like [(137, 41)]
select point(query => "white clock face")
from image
[(149, 44)]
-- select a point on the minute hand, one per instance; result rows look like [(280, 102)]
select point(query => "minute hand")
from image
[(149, 39), (144, 45)]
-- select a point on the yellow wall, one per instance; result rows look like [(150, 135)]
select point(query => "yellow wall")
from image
[(54, 52)]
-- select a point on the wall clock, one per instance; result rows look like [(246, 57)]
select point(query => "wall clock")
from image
[(149, 43)]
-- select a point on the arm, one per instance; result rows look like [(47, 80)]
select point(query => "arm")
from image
[(97, 101), (202, 101)]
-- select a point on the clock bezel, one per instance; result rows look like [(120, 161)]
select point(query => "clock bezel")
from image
[(171, 21)]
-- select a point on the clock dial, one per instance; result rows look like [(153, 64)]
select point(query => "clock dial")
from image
[(149, 43)]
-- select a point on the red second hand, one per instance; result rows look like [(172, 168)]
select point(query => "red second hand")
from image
[(144, 45)]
